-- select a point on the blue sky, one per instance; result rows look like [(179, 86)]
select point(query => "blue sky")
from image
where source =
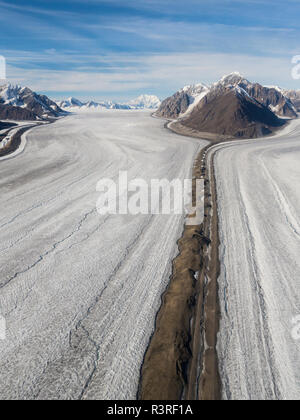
[(118, 49)]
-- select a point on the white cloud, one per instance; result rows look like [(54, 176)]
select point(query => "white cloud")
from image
[(190, 51), (158, 73)]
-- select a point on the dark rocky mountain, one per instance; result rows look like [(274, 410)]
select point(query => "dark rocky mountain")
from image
[(33, 105), (184, 100), (173, 106), (231, 108), (232, 113), (16, 113)]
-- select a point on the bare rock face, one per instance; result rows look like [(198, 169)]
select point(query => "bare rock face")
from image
[(172, 107), (8, 112), (178, 104), (273, 99)]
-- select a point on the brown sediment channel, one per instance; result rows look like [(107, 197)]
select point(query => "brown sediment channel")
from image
[(181, 360), (208, 385)]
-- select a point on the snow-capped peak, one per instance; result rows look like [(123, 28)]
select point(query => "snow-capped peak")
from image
[(23, 97), (195, 93), (13, 94), (195, 90), (74, 101), (145, 102), (232, 75), (231, 79), (70, 102)]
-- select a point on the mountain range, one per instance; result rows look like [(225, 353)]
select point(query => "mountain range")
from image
[(233, 107), (21, 103), (230, 108), (142, 102)]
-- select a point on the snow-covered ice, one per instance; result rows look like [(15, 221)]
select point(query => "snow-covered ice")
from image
[(79, 291), (258, 185)]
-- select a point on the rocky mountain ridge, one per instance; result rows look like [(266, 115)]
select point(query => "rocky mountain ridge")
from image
[(233, 107), (22, 103)]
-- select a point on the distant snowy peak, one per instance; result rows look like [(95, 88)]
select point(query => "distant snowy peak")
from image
[(70, 102), (93, 105), (145, 102), (142, 102), (74, 105)]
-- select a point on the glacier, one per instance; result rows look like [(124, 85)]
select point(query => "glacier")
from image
[(258, 189), (80, 291)]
